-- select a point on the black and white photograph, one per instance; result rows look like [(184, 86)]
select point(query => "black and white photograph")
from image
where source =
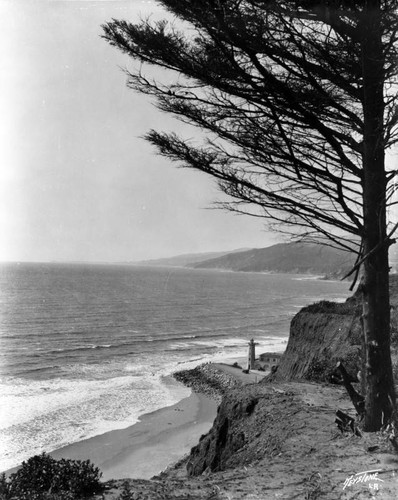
[(198, 256)]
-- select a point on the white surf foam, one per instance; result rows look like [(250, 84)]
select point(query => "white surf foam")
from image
[(38, 416), (43, 415)]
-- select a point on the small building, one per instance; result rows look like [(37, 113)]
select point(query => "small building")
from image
[(267, 360)]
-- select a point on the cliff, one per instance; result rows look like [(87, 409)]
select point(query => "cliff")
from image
[(276, 418), (274, 441), (321, 335), (259, 424), (279, 438), (324, 333)]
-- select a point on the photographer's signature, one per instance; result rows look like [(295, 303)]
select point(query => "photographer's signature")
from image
[(369, 476)]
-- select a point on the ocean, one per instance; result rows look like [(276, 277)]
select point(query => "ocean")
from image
[(85, 349)]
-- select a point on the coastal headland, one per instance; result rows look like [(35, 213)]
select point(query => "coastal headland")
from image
[(268, 440), (271, 440), (277, 437)]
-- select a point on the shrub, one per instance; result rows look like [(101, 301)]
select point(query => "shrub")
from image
[(44, 478), (237, 365), (4, 488), (127, 493), (322, 367)]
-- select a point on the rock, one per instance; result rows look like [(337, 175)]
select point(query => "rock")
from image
[(207, 380)]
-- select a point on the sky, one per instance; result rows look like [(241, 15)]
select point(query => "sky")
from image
[(77, 181)]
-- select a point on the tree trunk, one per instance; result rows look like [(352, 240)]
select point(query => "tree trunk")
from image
[(377, 370)]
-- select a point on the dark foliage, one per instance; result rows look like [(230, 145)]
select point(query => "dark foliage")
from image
[(277, 90), (127, 492), (323, 368), (296, 103), (44, 478)]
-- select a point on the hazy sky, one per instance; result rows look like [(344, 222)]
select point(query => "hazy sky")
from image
[(77, 182)]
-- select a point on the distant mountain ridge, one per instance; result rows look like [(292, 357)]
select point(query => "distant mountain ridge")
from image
[(298, 258), (186, 260)]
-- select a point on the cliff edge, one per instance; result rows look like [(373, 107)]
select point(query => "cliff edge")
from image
[(278, 438), (320, 335), (276, 441), (326, 332)]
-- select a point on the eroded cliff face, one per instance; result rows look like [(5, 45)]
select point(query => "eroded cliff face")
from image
[(245, 428), (324, 333), (269, 433), (261, 422), (275, 441), (243, 431), (321, 335)]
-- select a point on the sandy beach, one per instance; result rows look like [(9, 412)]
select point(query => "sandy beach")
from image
[(146, 448), (159, 439)]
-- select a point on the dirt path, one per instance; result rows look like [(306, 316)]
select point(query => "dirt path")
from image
[(252, 377)]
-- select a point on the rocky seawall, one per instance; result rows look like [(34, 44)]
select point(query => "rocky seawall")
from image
[(207, 379)]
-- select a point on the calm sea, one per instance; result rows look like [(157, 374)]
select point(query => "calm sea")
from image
[(85, 349)]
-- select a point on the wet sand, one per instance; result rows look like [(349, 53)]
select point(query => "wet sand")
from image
[(158, 440), (146, 448)]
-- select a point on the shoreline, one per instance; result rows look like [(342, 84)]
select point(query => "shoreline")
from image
[(158, 440), (163, 437)]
